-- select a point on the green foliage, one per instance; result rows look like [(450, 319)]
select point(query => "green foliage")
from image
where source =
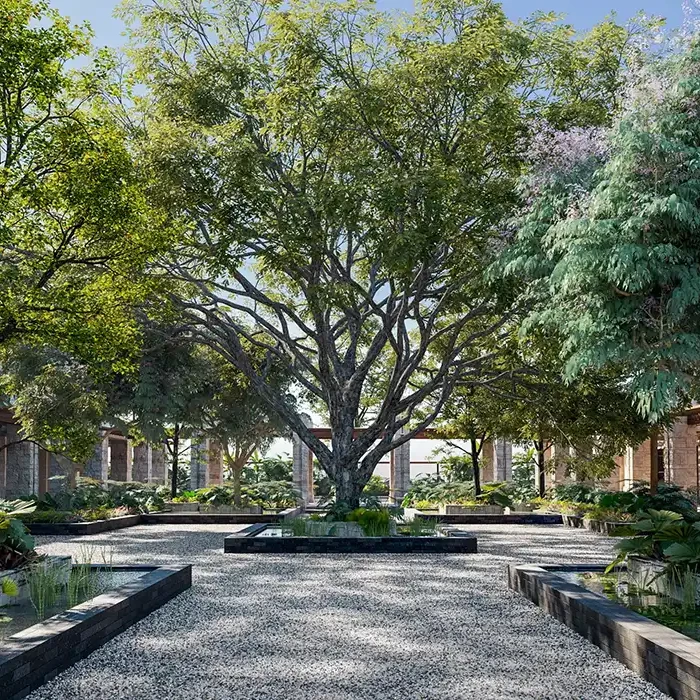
[(376, 486), (457, 468), (374, 523), (43, 580), (272, 495), (419, 528), (267, 469), (9, 588), (434, 490), (612, 260), (16, 544), (656, 532)]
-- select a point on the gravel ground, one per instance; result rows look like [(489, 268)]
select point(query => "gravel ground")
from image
[(341, 627)]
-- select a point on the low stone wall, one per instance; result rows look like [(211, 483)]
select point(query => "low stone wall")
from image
[(512, 519), (92, 528), (664, 657), (209, 518), (246, 542), (30, 658)]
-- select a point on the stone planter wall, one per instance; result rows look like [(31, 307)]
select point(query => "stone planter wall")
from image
[(30, 658), (572, 520), (91, 528), (664, 657), (512, 519), (602, 526), (455, 509), (245, 542), (230, 510)]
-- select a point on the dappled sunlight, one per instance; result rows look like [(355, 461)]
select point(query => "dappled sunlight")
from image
[(345, 627)]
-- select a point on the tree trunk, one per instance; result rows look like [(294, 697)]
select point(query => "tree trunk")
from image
[(475, 466), (176, 452), (237, 469), (348, 488), (540, 471)]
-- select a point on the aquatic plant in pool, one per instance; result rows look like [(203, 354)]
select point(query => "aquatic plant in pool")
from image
[(677, 612)]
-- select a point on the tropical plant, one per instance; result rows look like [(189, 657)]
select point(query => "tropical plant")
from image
[(653, 533), (16, 544), (374, 522), (376, 486)]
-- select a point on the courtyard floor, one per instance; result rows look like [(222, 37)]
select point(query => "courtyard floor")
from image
[(341, 627)]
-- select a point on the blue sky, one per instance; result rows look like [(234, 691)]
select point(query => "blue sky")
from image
[(581, 13)]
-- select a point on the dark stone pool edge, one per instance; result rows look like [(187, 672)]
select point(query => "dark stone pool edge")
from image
[(484, 519), (664, 657), (245, 542), (34, 656)]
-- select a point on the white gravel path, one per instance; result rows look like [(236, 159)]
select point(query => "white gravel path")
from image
[(342, 627)]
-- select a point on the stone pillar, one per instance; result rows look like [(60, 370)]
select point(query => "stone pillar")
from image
[(97, 466), (3, 465), (400, 474), (302, 474), (206, 463), (141, 465), (159, 474), (62, 473), (560, 454), (503, 460), (120, 459), (486, 459), (216, 464), (681, 467), (22, 477)]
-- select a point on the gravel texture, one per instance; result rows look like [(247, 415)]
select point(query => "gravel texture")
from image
[(342, 627)]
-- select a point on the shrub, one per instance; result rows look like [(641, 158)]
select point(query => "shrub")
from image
[(374, 523), (376, 486), (16, 544), (49, 516)]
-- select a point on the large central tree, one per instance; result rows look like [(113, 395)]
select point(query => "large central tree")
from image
[(340, 174)]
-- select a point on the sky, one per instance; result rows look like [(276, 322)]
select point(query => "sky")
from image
[(581, 13)]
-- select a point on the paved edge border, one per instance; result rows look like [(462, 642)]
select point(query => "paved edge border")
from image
[(662, 656), (35, 655), (92, 528), (512, 519), (160, 518), (246, 542)]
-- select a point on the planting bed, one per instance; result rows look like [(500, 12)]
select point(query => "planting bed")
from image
[(666, 658), (38, 653), (483, 519), (256, 539), (195, 518)]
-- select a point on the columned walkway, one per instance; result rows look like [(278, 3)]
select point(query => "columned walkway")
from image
[(326, 627)]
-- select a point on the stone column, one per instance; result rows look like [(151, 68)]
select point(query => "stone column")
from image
[(142, 463), (559, 453), (216, 464), (97, 467), (199, 463), (120, 461), (400, 474), (60, 466), (3, 465), (302, 475), (486, 460), (681, 467), (159, 474), (22, 478), (503, 460)]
